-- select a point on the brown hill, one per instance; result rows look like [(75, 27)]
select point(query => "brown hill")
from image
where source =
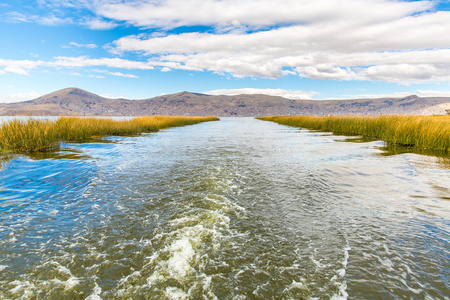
[(74, 101)]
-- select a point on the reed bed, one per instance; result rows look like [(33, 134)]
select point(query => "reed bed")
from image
[(424, 132), (40, 135)]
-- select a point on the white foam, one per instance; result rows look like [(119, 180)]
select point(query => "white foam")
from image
[(346, 255), (178, 266), (93, 297), (70, 283), (188, 240), (2, 267), (25, 288), (183, 253), (341, 272), (135, 274), (297, 284), (175, 293), (343, 295), (96, 293)]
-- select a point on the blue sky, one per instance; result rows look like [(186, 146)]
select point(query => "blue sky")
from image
[(322, 49)]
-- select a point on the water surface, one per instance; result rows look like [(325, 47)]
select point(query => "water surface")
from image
[(236, 209)]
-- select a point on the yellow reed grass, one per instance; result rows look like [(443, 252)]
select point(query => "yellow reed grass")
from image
[(425, 132), (39, 135)]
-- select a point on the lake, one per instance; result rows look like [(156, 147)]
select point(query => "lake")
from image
[(235, 209)]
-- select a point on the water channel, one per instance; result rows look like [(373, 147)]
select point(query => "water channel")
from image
[(235, 209)]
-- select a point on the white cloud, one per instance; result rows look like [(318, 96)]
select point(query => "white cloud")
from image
[(9, 98), (166, 69), (115, 73), (122, 75), (255, 13), (429, 93), (408, 72), (75, 74), (98, 24), (64, 3), (64, 12), (83, 61), (21, 66), (409, 47), (24, 64), (90, 46), (111, 96), (288, 94), (16, 70), (96, 76), (52, 20), (379, 40), (15, 16), (420, 93)]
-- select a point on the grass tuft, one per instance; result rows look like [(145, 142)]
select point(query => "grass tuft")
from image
[(424, 132), (40, 135)]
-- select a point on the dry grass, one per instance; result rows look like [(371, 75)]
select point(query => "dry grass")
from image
[(425, 132), (39, 135)]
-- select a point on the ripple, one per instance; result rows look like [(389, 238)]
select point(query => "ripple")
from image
[(30, 182), (237, 209)]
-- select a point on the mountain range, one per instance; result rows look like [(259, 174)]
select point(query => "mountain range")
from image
[(75, 101)]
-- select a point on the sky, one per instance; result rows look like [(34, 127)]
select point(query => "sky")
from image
[(298, 49)]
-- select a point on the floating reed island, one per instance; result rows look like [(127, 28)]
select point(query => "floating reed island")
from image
[(424, 132), (40, 135)]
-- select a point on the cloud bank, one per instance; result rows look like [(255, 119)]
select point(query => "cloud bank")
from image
[(255, 13), (364, 40), (391, 41)]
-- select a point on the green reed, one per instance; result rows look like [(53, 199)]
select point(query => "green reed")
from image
[(40, 135), (425, 132)]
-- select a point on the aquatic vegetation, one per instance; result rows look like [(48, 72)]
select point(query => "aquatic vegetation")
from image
[(425, 132), (40, 135)]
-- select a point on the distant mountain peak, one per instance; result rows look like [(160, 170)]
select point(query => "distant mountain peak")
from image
[(410, 97), (69, 91), (81, 93), (189, 94)]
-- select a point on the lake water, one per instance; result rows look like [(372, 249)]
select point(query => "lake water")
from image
[(235, 209)]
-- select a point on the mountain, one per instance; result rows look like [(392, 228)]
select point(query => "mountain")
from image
[(70, 101), (75, 101)]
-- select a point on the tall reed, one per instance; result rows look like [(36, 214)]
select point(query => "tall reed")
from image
[(39, 135), (425, 132)]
